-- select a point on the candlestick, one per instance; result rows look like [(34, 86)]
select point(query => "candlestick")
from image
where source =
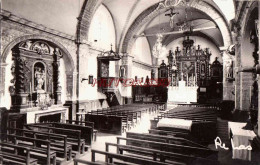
[(187, 80), (196, 81), (250, 94), (192, 79), (52, 88), (235, 96), (30, 88)]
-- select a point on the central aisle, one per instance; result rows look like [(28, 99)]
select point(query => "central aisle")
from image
[(102, 138)]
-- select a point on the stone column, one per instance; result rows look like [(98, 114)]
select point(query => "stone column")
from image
[(245, 86), (74, 90), (69, 85), (258, 75), (228, 84), (237, 74), (127, 62), (2, 81)]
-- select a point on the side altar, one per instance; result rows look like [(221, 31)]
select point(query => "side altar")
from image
[(35, 90)]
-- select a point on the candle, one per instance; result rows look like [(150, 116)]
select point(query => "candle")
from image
[(52, 88), (187, 80), (235, 96), (30, 88), (192, 79), (250, 94), (196, 81)]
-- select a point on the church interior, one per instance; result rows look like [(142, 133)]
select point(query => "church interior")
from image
[(149, 82)]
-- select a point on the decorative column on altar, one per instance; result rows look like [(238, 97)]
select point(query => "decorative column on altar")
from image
[(56, 84), (19, 96)]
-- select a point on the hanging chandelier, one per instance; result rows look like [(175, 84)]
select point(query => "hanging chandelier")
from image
[(159, 49)]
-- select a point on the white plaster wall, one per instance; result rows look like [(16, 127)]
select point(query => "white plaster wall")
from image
[(247, 50), (6, 99), (141, 50), (102, 29), (140, 72)]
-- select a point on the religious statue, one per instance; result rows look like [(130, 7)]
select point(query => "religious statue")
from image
[(122, 71), (40, 78), (152, 74), (229, 68)]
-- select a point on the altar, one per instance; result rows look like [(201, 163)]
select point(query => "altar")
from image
[(182, 93), (35, 90), (60, 113), (188, 70)]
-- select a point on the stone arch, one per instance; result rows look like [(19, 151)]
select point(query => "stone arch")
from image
[(151, 13), (87, 12), (251, 5), (67, 55)]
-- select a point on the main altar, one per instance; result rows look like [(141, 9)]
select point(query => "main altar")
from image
[(189, 72)]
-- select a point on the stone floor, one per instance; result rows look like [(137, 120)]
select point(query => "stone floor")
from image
[(224, 157)]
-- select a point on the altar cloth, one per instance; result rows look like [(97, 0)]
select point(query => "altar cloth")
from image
[(175, 123), (240, 136)]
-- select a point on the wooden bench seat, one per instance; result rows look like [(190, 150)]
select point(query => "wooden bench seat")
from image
[(164, 139), (128, 159), (35, 147), (90, 124), (58, 142), (189, 150), (81, 161), (156, 154), (15, 158), (74, 136)]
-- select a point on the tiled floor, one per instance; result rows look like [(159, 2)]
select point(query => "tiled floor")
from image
[(224, 157)]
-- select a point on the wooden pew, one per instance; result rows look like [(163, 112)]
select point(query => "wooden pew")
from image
[(129, 118), (127, 159), (74, 136), (35, 147), (76, 161), (58, 142), (188, 150), (163, 139), (85, 123), (155, 154), (86, 131), (15, 157), (109, 124), (169, 133)]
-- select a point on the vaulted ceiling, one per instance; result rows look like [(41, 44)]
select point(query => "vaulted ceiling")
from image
[(62, 15)]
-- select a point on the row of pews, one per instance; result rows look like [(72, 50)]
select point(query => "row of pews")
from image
[(204, 122), (118, 119), (160, 146), (46, 143), (152, 149)]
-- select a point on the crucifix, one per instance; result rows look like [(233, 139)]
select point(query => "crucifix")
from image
[(171, 15)]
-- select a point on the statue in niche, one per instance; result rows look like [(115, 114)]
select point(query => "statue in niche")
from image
[(229, 68), (39, 76), (122, 71)]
